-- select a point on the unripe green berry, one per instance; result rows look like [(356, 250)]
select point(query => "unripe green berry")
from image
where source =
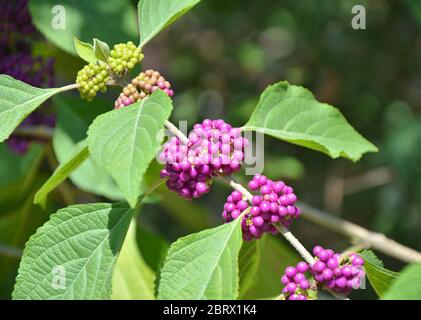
[(124, 57)]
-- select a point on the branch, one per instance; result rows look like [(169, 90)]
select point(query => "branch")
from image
[(374, 240)]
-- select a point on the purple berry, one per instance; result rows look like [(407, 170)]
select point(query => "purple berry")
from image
[(357, 261), (236, 196), (347, 271), (290, 272), (304, 284), (327, 274), (319, 266), (291, 287), (341, 282), (258, 221), (254, 185), (317, 250), (332, 263), (323, 255), (299, 277), (285, 280)]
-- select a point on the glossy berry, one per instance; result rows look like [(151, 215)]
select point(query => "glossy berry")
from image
[(338, 273), (123, 57), (142, 86), (296, 285), (91, 79)]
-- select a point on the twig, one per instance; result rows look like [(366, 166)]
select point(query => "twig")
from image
[(295, 243), (177, 132), (69, 87), (373, 178), (374, 240)]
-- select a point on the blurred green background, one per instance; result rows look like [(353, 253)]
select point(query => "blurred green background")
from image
[(219, 58)]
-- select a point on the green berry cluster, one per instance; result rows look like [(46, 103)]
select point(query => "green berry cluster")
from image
[(123, 57), (91, 79)]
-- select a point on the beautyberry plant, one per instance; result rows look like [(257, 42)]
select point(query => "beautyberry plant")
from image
[(95, 245)]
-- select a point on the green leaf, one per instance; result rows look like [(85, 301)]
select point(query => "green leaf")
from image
[(73, 119), (203, 265), (113, 21), (248, 262), (156, 15), (132, 278), (123, 142), (17, 101), (291, 113), (407, 286), (380, 278), (102, 50), (85, 50), (80, 245), (78, 156)]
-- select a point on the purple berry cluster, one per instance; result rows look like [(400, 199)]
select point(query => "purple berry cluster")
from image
[(141, 86), (297, 286), (17, 61), (20, 143), (275, 204), (340, 273), (214, 148)]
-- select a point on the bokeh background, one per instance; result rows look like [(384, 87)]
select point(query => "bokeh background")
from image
[(219, 58)]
